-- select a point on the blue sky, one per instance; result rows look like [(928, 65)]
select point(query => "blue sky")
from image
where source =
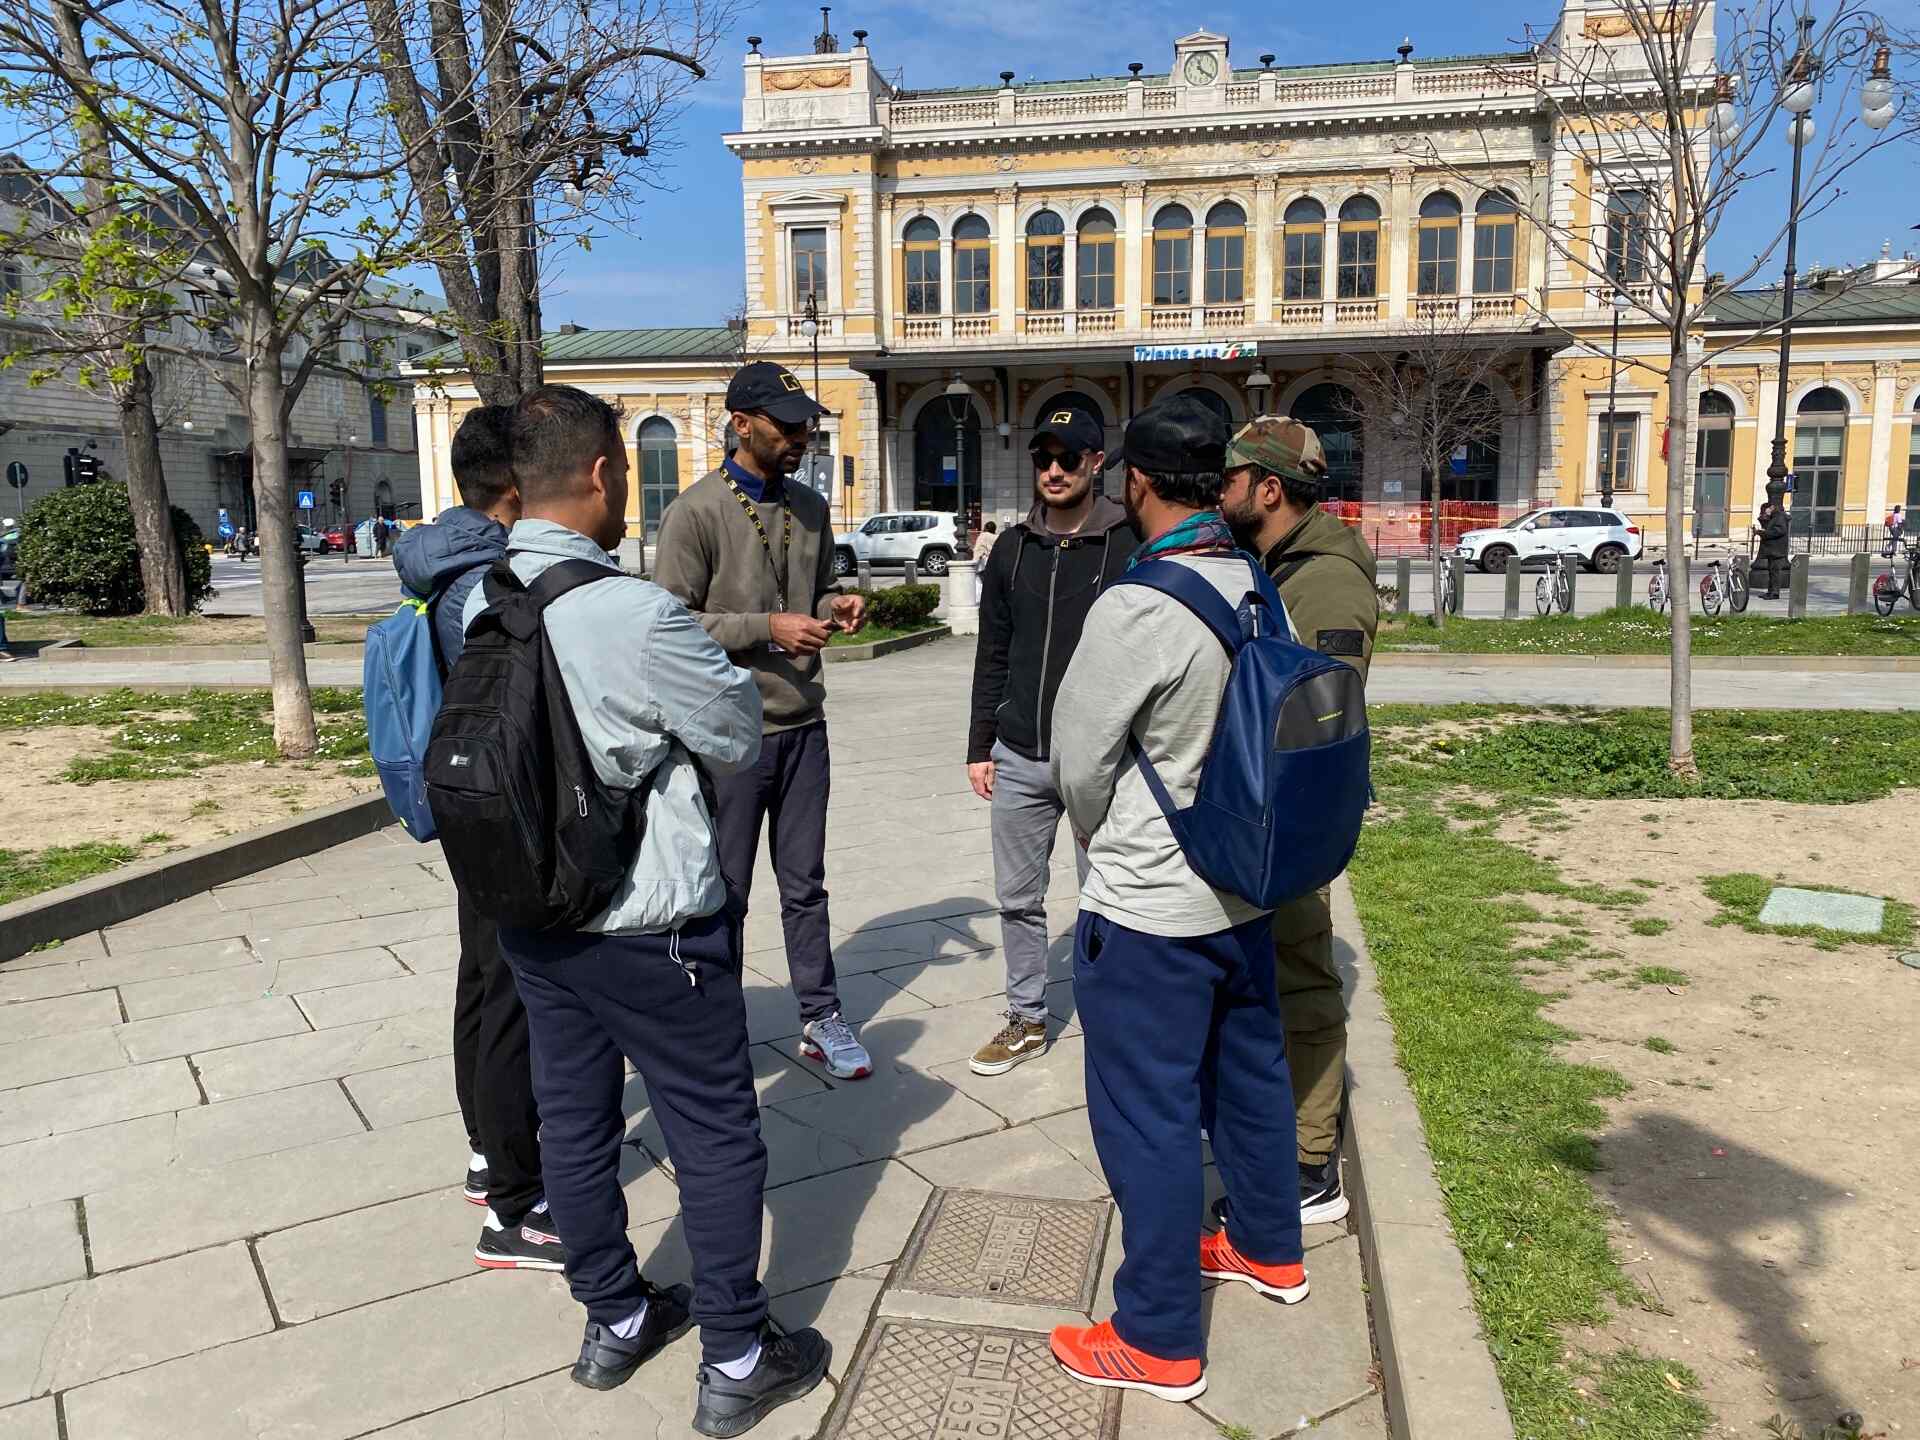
[(679, 261)]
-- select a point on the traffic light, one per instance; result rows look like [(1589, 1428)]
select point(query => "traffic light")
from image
[(335, 490)]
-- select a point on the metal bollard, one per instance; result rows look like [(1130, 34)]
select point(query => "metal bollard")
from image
[(1403, 582), (1572, 564), (1623, 584), (1857, 601), (865, 572), (1510, 607), (913, 572), (1797, 588), (1459, 564)]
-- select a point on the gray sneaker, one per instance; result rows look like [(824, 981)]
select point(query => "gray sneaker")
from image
[(831, 1041), (1019, 1039)]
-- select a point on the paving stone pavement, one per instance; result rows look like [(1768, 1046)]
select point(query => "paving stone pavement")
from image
[(229, 1148)]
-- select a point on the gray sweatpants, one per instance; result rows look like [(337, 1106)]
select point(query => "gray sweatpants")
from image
[(1026, 817)]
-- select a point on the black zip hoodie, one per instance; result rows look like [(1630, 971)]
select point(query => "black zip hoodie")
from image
[(1034, 597)]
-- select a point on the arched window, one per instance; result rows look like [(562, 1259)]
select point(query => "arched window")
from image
[(1093, 264), (972, 266), (1819, 461), (1359, 273), (1334, 413), (1173, 256), (659, 471), (1712, 465), (940, 452), (923, 267), (1074, 397), (1214, 402), (383, 500), (1437, 269), (1627, 236), (1495, 225), (1302, 241), (1226, 254), (1046, 262)]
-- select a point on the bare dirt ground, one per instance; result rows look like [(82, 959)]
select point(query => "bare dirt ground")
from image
[(43, 810), (1761, 1175)]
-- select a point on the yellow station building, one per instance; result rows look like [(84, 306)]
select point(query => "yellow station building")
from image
[(968, 258)]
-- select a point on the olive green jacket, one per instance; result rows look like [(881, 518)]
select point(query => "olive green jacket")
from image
[(1326, 574)]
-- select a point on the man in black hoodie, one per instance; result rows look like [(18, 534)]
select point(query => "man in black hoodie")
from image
[(492, 1073), (1038, 585)]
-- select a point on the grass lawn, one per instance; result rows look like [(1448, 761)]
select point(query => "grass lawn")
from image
[(1510, 1122), (120, 630), (1641, 632), (875, 633), (28, 872)]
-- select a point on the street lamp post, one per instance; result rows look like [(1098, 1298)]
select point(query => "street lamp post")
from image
[(810, 327), (960, 401), (1259, 384), (1620, 300)]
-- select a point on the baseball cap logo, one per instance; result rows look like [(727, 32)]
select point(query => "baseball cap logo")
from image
[(1060, 417), (787, 382)]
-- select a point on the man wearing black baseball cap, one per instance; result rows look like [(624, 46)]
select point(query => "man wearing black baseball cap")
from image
[(751, 555), (1035, 592)]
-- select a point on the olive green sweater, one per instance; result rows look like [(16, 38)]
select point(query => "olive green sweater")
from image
[(710, 558)]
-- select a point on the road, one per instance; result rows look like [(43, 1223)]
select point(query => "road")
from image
[(335, 586)]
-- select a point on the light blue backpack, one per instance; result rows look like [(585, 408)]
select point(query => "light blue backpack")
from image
[(400, 692)]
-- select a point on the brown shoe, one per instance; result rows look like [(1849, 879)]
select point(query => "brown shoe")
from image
[(1018, 1040)]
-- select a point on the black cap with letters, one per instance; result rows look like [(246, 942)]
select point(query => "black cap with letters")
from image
[(772, 390)]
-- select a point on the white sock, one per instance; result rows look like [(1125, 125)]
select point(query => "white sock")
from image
[(743, 1367), (493, 1221), (478, 1162), (628, 1328)]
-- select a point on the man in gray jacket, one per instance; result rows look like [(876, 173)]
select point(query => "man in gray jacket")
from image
[(656, 978)]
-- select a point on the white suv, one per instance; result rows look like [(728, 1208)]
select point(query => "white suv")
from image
[(928, 539), (1601, 538)]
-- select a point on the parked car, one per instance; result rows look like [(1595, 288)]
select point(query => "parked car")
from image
[(312, 542), (928, 539), (1601, 537), (336, 539)]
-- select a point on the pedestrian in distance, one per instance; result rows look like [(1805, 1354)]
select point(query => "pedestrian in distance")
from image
[(655, 976), (750, 553), (1173, 978), (1035, 591), (983, 546), (1774, 526), (442, 563), (1276, 475)]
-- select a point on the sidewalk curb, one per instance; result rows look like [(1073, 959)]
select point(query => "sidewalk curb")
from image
[(1500, 660), (843, 654), (149, 884), (1437, 1384)]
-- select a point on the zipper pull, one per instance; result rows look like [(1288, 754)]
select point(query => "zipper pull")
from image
[(581, 796)]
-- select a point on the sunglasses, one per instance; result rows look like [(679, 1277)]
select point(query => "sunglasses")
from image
[(790, 429), (1067, 460)]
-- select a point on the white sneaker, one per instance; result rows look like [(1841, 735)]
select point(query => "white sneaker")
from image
[(831, 1041)]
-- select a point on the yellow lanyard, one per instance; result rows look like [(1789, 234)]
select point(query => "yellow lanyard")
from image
[(779, 569)]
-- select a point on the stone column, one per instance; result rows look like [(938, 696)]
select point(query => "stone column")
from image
[(1132, 226), (1264, 269), (1330, 268), (948, 283), (963, 597), (1197, 273), (886, 252), (1070, 278), (1464, 268), (1763, 437), (1880, 452), (1399, 237), (1006, 247)]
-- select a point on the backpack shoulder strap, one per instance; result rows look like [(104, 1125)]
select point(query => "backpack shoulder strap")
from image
[(1194, 591), (566, 576)]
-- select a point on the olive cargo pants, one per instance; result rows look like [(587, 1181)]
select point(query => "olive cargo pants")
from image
[(1313, 1007)]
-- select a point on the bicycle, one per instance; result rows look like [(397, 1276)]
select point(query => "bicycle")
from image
[(1725, 582), (1555, 588), (1888, 587), (1657, 596), (1449, 590)]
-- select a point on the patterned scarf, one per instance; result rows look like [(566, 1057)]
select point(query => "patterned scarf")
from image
[(1202, 533)]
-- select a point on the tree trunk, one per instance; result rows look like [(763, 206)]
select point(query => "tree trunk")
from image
[(163, 576), (294, 732), (1433, 541), (1680, 701)]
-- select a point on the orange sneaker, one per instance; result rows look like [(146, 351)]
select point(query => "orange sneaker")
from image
[(1219, 1260), (1095, 1354)]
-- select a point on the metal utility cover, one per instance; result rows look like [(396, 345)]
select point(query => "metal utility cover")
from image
[(917, 1380), (1829, 909), (1013, 1249)]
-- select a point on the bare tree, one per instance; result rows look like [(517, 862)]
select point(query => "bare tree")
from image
[(255, 136), (1431, 395), (1657, 126), (523, 122)]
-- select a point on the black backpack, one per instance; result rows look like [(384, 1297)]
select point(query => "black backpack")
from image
[(532, 837)]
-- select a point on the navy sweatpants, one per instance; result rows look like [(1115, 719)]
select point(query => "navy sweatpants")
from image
[(591, 999), (1181, 1033)]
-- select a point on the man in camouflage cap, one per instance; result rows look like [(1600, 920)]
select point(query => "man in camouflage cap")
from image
[(1276, 471)]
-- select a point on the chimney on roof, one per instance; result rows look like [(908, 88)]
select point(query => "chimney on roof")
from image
[(572, 329)]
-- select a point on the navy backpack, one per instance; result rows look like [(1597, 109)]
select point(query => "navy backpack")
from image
[(1285, 783)]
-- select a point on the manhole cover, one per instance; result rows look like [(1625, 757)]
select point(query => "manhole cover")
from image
[(1011, 1248), (919, 1381)]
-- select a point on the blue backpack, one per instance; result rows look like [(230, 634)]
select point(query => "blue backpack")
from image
[(1285, 783), (400, 692)]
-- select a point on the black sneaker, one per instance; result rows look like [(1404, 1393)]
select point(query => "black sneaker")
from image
[(474, 1186), (530, 1245), (607, 1362), (790, 1366), (1321, 1199)]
